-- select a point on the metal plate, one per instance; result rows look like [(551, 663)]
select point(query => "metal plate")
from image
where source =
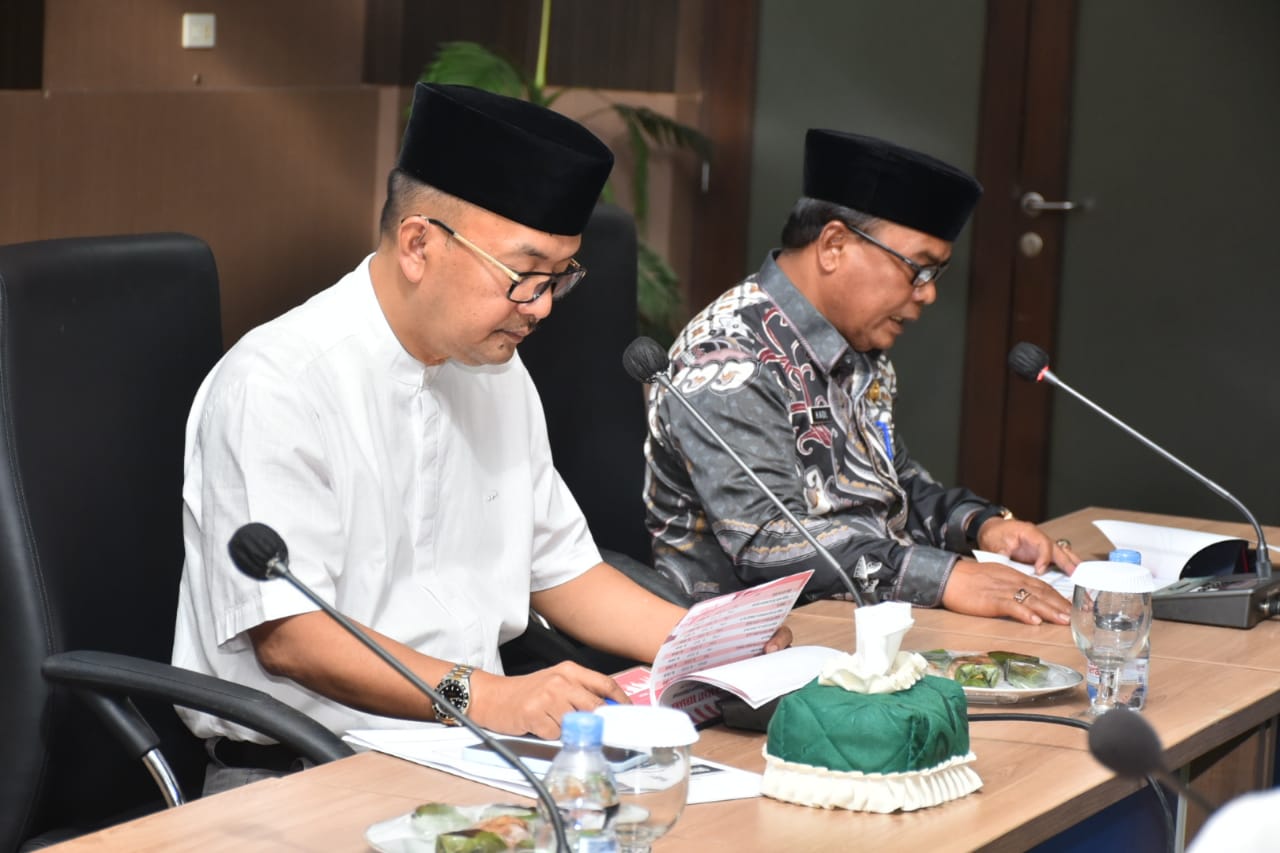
[(1061, 680)]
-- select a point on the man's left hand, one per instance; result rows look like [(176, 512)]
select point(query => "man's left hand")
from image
[(1026, 543), (780, 640)]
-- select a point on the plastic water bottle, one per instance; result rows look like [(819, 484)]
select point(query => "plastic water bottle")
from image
[(1134, 676), (581, 783)]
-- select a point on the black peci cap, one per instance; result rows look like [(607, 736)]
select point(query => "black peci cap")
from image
[(888, 181), (511, 157)]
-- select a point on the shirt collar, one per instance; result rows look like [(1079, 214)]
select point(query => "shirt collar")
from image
[(385, 345), (827, 347)]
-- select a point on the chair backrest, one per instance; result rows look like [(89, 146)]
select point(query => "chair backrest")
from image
[(103, 343), (595, 411)]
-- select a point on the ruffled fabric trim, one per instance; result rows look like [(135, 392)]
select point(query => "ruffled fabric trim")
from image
[(869, 792), (851, 673)]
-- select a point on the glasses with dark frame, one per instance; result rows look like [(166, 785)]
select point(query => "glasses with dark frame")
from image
[(922, 274), (525, 287)]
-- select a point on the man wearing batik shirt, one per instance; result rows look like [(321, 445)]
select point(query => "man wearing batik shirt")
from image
[(791, 367)]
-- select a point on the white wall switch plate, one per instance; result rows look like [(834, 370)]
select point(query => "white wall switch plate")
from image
[(199, 30)]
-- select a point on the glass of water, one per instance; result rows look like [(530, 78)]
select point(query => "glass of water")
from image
[(1110, 621), (652, 784)]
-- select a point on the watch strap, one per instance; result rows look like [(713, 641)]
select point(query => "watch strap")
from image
[(982, 517), (456, 687)]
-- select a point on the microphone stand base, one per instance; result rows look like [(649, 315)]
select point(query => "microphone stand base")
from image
[(1230, 601)]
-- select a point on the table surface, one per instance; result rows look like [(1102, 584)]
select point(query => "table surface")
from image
[(1208, 686)]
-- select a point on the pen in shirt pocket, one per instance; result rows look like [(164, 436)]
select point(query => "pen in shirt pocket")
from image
[(888, 437)]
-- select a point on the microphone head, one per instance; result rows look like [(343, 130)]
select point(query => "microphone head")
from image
[(257, 550), (1028, 360), (644, 359), (1123, 741)]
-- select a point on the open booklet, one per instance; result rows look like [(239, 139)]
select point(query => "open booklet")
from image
[(730, 629), (717, 648), (1169, 553)]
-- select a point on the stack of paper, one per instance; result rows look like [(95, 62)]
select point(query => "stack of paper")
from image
[(1165, 551), (441, 748)]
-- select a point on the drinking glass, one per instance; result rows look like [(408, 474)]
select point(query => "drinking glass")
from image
[(1110, 621), (653, 787)]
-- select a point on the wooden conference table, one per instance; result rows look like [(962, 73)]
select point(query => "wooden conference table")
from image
[(1214, 697)]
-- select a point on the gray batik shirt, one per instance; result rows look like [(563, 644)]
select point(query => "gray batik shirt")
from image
[(814, 419)]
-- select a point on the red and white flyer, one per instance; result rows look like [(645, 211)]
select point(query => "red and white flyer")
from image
[(721, 630)]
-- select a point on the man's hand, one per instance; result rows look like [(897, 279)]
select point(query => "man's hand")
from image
[(535, 703), (780, 640), (992, 589), (1026, 543)]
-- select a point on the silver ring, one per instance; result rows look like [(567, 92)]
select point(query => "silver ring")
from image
[(1021, 595), (1063, 543)]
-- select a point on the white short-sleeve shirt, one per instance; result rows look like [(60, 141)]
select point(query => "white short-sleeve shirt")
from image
[(419, 501)]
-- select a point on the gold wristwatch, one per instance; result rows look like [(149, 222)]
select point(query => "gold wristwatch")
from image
[(983, 516), (456, 687)]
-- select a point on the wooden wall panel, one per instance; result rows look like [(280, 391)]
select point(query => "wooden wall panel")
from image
[(136, 44), (282, 184), (276, 155), (603, 44)]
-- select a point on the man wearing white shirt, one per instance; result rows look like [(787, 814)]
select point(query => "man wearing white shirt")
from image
[(387, 430)]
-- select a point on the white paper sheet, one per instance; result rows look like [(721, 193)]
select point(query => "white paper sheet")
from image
[(1056, 578), (1165, 550), (441, 748), (764, 678)]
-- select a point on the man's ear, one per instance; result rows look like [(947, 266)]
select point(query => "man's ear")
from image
[(830, 245), (412, 236)]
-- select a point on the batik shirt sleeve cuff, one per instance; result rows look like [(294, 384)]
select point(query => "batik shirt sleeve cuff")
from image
[(923, 575)]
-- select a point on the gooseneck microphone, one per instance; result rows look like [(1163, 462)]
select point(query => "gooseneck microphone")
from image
[(1125, 743), (1032, 363), (646, 361), (1136, 762), (259, 552)]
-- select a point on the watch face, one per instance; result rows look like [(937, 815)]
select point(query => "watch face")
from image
[(455, 692)]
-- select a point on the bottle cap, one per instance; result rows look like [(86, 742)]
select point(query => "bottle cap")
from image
[(581, 728), (1125, 555), (646, 726), (1112, 577)]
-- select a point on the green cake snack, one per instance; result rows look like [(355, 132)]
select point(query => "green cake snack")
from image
[(475, 829), (1003, 658), (975, 671), (431, 819), (989, 670), (1020, 673), (470, 841)]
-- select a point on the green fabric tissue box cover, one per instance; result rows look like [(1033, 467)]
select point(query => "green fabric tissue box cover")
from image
[(915, 729)]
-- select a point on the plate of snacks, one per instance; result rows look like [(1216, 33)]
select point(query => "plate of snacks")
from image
[(1000, 677), (433, 827)]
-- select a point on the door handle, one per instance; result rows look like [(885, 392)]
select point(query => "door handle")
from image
[(1033, 204)]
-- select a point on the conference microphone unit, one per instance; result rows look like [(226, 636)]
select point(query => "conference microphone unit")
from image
[(259, 552), (646, 361), (1123, 742), (1232, 601)]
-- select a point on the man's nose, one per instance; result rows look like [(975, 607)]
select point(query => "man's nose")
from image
[(926, 293), (538, 309)]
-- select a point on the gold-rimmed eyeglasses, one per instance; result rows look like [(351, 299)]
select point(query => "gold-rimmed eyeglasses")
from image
[(525, 287), (922, 274)]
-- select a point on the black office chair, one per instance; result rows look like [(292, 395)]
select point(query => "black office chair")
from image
[(596, 424), (103, 343), (594, 410)]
